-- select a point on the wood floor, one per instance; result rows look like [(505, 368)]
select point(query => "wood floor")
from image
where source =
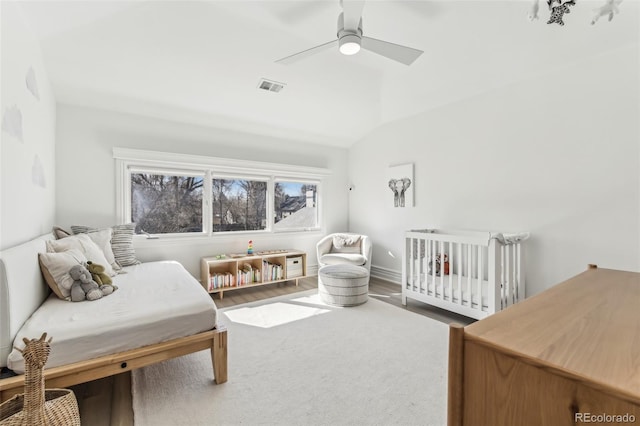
[(107, 402)]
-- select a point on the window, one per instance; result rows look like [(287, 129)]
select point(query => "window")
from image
[(166, 203), (239, 205), (176, 195), (295, 205)]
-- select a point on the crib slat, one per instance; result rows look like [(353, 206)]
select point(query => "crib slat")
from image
[(412, 279), (459, 270), (416, 265), (469, 269), (479, 277), (514, 248), (521, 266), (432, 264), (451, 286), (440, 251), (420, 265), (507, 278), (494, 293), (503, 300), (509, 273)]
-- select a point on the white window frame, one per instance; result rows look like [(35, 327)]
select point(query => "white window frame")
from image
[(129, 161)]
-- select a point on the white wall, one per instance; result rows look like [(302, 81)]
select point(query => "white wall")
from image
[(27, 139), (556, 155), (86, 176)]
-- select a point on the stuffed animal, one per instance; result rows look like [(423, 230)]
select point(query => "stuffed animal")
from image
[(85, 288), (99, 276)]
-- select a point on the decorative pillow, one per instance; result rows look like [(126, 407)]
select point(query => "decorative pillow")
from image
[(121, 242), (346, 244), (60, 233), (55, 269), (86, 246), (102, 239)]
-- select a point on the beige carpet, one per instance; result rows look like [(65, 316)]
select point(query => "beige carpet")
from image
[(295, 361)]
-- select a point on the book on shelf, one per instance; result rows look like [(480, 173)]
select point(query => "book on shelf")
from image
[(221, 280), (271, 271), (248, 274)]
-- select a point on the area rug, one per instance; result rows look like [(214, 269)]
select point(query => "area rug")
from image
[(295, 361)]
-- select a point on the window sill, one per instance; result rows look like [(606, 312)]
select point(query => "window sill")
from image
[(175, 240)]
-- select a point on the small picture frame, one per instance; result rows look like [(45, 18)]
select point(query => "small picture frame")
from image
[(400, 182)]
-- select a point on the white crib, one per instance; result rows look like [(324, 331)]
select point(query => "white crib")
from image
[(484, 272)]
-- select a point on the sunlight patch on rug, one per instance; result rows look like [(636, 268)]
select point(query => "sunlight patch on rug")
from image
[(273, 314), (313, 299)]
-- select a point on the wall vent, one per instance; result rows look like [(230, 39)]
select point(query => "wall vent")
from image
[(270, 85)]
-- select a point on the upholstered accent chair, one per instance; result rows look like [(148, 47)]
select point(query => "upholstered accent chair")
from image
[(345, 248)]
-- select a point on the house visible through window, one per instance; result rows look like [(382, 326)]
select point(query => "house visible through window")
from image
[(295, 205), (239, 205)]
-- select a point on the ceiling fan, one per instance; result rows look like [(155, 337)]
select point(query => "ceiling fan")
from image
[(350, 39)]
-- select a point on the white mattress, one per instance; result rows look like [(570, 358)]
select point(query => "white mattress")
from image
[(438, 287), (155, 302)]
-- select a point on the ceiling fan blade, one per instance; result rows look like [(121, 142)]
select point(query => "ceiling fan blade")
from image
[(403, 54), (352, 13), (306, 53)]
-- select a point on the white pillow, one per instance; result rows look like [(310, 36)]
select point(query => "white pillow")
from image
[(346, 244), (86, 246), (55, 268), (102, 239)]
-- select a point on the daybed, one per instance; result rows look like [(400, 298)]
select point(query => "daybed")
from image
[(158, 312)]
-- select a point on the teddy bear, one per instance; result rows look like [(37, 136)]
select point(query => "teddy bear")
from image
[(84, 287), (99, 276)]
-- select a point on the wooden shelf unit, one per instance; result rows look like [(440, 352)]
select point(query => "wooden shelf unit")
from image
[(227, 271)]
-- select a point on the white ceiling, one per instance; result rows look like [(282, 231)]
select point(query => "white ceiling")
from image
[(201, 61)]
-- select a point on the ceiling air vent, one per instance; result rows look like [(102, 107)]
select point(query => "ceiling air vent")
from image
[(270, 86)]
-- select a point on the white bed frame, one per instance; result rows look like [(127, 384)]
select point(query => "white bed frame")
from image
[(479, 263), (22, 291)]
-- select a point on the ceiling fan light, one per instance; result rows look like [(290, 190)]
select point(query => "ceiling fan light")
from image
[(349, 44)]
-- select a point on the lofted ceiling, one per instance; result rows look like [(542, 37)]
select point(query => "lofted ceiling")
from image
[(201, 61)]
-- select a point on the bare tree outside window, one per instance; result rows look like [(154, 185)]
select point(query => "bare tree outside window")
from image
[(239, 205), (295, 205), (163, 204)]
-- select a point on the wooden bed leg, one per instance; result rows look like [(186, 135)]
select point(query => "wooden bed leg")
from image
[(219, 355), (456, 374)]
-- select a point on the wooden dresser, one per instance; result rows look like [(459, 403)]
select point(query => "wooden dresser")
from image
[(566, 355)]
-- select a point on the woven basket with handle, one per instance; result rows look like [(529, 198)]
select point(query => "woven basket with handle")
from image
[(39, 406)]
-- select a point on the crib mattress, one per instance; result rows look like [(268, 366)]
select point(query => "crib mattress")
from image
[(155, 302), (438, 288)]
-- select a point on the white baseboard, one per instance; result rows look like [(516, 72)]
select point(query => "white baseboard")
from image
[(386, 274), (312, 270)]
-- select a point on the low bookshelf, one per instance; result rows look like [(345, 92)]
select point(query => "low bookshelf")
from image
[(235, 271)]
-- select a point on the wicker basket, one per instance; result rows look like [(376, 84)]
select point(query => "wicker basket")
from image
[(38, 406), (60, 407)]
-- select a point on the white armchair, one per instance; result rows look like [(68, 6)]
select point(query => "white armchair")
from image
[(352, 249)]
